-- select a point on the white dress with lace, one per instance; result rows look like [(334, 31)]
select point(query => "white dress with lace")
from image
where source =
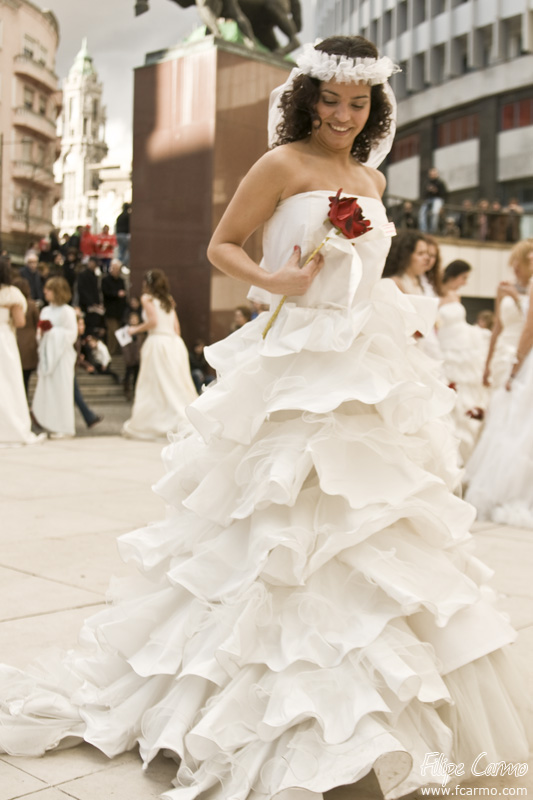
[(308, 609)]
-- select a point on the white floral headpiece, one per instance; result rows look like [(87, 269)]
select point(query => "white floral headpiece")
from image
[(327, 67)]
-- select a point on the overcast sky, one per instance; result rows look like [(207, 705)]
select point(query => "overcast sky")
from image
[(118, 42)]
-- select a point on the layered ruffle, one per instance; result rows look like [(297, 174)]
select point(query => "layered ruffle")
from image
[(309, 609)]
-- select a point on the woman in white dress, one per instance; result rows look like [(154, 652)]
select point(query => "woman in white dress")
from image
[(15, 422), (464, 349), (510, 312), (53, 401), (432, 279), (164, 387), (500, 472), (307, 610)]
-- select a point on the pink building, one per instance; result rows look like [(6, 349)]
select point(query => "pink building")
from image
[(29, 106)]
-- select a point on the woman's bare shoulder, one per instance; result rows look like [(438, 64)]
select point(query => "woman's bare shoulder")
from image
[(378, 179)]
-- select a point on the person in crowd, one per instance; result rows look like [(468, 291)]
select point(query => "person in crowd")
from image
[(200, 369), (435, 193), (408, 260), (56, 266), (514, 218), (27, 333), (31, 273), (97, 354), (509, 315), (75, 240), (90, 299), (485, 319), (450, 227), (64, 246), (53, 401), (71, 268), (308, 609), (133, 306), (165, 386), (46, 254), (467, 219), (464, 350), (32, 250), (105, 247), (132, 356), (431, 279), (499, 474), (122, 232), (481, 220), (90, 417), (407, 219), (497, 222), (241, 316), (15, 421), (115, 303), (88, 245)]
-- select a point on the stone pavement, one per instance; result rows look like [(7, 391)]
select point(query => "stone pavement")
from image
[(62, 505)]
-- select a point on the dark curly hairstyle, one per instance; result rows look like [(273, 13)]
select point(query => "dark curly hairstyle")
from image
[(157, 285), (298, 104), (456, 268), (402, 248)]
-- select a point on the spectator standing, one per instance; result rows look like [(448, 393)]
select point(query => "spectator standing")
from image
[(89, 298), (71, 267), (105, 247), (481, 220), (435, 192), (75, 239), (514, 216), (132, 357), (53, 402), (27, 333), (467, 218), (407, 219), (46, 255), (165, 387), (31, 273), (63, 247), (15, 422), (497, 222), (87, 245), (122, 228), (241, 316), (115, 303)]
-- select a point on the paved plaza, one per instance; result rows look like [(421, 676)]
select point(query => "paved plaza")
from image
[(62, 505)]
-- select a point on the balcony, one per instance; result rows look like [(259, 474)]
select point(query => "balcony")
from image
[(36, 226), (32, 172), (26, 118), (37, 72)]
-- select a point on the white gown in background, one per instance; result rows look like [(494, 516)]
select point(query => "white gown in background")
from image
[(464, 350), (512, 318), (15, 422), (164, 387), (53, 401), (310, 608)]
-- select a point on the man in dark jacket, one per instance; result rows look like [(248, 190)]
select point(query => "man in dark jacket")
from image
[(90, 300), (122, 230), (30, 272), (435, 192), (114, 292)]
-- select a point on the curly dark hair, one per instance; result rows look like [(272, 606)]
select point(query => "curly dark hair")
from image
[(157, 285), (5, 271), (298, 104), (456, 268), (402, 248)]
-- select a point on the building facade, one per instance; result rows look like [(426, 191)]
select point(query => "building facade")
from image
[(29, 106), (82, 133), (465, 93)]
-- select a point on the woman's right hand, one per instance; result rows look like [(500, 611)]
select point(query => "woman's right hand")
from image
[(486, 376), (506, 289), (293, 280)]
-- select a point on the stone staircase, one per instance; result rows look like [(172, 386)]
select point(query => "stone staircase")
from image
[(98, 390)]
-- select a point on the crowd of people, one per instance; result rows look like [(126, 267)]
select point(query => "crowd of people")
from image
[(482, 220)]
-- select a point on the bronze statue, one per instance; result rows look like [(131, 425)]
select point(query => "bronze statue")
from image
[(256, 19)]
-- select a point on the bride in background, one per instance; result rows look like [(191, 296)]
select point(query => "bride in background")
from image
[(164, 387), (15, 422)]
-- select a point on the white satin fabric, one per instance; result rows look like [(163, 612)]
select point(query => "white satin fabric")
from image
[(309, 609)]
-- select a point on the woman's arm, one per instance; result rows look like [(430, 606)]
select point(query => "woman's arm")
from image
[(150, 317), (525, 344), (252, 205), (177, 326), (496, 330), (18, 317)]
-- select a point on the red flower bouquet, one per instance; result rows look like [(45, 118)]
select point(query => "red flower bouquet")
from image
[(346, 216), (44, 325)]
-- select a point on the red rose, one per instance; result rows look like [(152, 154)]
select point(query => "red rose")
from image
[(347, 215), (44, 325)]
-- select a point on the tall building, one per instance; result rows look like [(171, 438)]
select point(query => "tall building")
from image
[(465, 95), (29, 105), (83, 147)]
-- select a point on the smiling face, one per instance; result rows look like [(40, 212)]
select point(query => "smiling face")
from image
[(343, 110)]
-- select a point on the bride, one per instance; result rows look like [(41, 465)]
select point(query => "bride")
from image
[(307, 611)]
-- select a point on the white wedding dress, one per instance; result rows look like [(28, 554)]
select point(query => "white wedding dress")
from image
[(309, 609), (512, 318), (15, 422), (164, 387), (464, 349)]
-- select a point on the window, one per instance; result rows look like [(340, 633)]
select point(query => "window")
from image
[(42, 105), (29, 96), (387, 27), (27, 149), (95, 110), (402, 17), (406, 147), (458, 130), (28, 47), (437, 7), (517, 115), (38, 207), (41, 154), (419, 11)]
